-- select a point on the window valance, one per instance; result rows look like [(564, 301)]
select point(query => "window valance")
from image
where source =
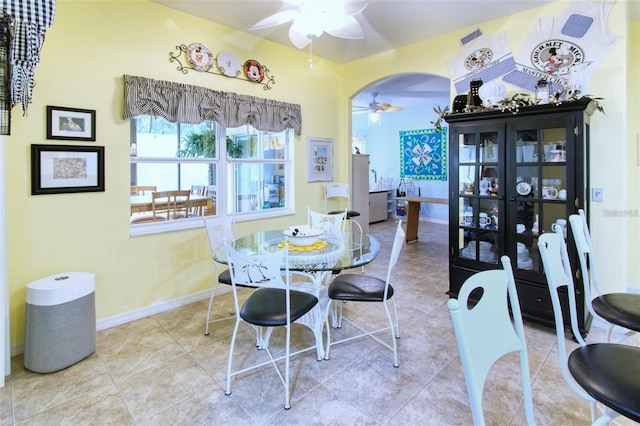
[(184, 103)]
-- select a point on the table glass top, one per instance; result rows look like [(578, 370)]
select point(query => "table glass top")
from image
[(334, 252)]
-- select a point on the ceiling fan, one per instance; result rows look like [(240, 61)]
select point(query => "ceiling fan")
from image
[(311, 18), (377, 107)]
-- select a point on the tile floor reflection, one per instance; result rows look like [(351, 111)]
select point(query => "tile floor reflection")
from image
[(162, 370)]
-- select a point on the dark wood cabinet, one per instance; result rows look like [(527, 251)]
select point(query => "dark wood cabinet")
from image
[(513, 177)]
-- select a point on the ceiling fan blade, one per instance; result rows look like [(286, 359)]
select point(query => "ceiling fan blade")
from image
[(383, 106), (345, 27), (277, 18), (394, 109), (298, 36)]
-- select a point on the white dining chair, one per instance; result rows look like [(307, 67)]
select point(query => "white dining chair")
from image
[(273, 304), (485, 333), (604, 374), (218, 230), (337, 197), (616, 309), (362, 288)]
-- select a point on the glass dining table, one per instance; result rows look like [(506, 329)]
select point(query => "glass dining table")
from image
[(332, 254)]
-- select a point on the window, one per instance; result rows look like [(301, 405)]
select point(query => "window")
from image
[(250, 184)]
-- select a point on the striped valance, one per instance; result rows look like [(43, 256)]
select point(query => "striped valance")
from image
[(184, 103)]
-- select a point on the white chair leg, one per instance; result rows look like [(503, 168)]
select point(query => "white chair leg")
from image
[(213, 294), (623, 336), (328, 345), (360, 228), (287, 402), (336, 314), (395, 315), (394, 336), (230, 360)]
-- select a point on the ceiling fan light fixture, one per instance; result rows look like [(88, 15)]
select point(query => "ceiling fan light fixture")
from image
[(374, 118), (312, 18), (311, 26)]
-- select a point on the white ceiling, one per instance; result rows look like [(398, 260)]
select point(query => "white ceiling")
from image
[(387, 24)]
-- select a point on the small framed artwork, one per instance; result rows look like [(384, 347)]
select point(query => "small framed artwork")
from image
[(59, 169), (71, 124), (319, 159)]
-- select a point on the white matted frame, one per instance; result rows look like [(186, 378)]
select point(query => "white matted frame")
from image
[(65, 168), (319, 159), (71, 123)]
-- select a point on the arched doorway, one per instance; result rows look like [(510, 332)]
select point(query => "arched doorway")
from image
[(417, 94)]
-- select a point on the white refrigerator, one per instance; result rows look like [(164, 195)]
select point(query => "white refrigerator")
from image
[(360, 189)]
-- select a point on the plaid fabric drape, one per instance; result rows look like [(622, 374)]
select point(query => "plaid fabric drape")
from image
[(30, 20), (183, 103)]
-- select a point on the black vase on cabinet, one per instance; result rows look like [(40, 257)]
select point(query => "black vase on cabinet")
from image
[(513, 177)]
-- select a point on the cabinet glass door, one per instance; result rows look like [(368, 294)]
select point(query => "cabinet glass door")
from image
[(541, 191), (479, 201)]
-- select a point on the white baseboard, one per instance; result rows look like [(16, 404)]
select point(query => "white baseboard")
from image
[(136, 314), (153, 309)]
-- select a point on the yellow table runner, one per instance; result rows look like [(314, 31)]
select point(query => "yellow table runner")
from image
[(320, 244)]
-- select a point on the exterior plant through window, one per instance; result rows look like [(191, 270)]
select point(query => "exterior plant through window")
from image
[(251, 183)]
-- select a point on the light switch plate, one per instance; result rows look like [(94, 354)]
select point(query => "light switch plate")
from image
[(597, 195)]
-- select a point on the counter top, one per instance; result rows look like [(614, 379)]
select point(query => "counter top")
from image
[(379, 190)]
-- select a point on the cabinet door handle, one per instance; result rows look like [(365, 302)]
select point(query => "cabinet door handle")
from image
[(512, 198), (501, 198)]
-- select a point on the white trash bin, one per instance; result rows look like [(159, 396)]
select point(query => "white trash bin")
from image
[(60, 324)]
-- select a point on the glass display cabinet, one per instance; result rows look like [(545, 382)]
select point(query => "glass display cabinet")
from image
[(514, 176)]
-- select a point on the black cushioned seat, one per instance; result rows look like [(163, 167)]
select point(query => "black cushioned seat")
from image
[(367, 288), (621, 309), (360, 288), (266, 306), (610, 373), (350, 213), (225, 278)]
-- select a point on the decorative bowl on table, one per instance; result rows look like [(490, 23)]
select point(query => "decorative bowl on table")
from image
[(302, 235)]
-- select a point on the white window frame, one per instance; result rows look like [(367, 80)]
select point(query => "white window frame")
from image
[(224, 175)]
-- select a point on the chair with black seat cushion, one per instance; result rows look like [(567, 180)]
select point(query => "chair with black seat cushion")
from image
[(366, 288), (618, 309), (330, 223), (218, 230), (337, 194), (605, 374), (273, 304), (485, 332)]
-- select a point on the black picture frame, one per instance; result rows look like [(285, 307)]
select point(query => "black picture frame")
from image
[(58, 169), (71, 124)]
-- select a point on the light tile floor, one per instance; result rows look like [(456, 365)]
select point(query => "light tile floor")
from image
[(162, 370)]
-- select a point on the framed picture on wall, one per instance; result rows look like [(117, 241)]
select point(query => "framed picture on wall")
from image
[(59, 169), (71, 124), (319, 159)]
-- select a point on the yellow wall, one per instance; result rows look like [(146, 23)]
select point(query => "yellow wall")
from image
[(92, 44), (86, 52)]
